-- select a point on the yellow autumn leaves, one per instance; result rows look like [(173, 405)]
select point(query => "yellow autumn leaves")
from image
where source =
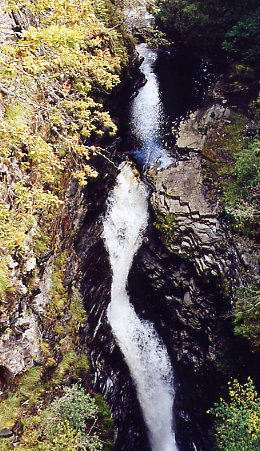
[(50, 79)]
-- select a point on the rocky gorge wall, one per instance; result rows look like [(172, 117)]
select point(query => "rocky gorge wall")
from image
[(186, 275), (184, 279)]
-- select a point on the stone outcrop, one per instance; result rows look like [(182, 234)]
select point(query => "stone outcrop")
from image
[(192, 133), (13, 22), (20, 346), (196, 232)]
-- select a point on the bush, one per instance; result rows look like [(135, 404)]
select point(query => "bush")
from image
[(247, 313), (237, 423), (242, 193), (75, 406)]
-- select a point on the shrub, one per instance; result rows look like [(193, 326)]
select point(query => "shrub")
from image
[(237, 423), (70, 422), (75, 406), (242, 193)]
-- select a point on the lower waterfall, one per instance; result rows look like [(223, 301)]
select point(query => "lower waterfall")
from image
[(144, 352)]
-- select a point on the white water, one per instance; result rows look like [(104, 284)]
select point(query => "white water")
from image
[(145, 354), (147, 117)]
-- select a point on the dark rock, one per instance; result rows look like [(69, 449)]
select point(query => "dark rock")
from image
[(18, 428), (5, 433)]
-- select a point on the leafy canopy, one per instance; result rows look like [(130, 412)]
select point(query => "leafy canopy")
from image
[(211, 25)]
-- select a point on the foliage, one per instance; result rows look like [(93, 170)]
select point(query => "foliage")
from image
[(243, 39), (233, 165), (69, 422), (72, 421), (237, 422), (242, 192), (157, 39), (53, 82), (75, 406), (165, 224), (207, 25), (247, 313)]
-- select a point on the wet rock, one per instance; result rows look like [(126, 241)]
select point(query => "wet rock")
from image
[(42, 299), (4, 433), (196, 232), (18, 428)]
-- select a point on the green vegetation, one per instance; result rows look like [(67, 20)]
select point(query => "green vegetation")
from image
[(28, 391), (233, 164), (54, 80), (206, 26), (247, 313), (242, 191), (165, 225), (237, 422), (72, 421)]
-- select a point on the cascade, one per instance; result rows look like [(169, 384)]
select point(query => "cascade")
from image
[(147, 117), (145, 354)]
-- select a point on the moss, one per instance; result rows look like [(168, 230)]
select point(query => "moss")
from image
[(59, 291), (9, 411), (65, 366), (107, 422), (82, 366), (222, 144), (17, 115), (45, 348), (4, 277), (77, 311), (42, 243), (28, 391)]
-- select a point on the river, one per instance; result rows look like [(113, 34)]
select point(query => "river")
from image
[(124, 226)]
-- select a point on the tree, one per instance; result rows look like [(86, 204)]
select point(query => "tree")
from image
[(212, 25), (53, 81)]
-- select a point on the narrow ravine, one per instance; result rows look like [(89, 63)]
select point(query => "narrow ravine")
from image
[(125, 223), (144, 352)]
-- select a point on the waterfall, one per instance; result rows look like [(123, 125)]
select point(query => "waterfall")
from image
[(147, 117), (144, 352)]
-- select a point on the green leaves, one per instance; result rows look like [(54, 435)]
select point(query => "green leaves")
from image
[(237, 422), (247, 313), (214, 25), (242, 192)]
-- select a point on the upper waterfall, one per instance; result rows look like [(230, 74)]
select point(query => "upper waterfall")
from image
[(147, 116), (145, 354)]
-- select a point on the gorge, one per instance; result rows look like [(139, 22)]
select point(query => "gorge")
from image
[(123, 263)]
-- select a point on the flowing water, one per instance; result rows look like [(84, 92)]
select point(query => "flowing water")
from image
[(147, 117), (144, 352)]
